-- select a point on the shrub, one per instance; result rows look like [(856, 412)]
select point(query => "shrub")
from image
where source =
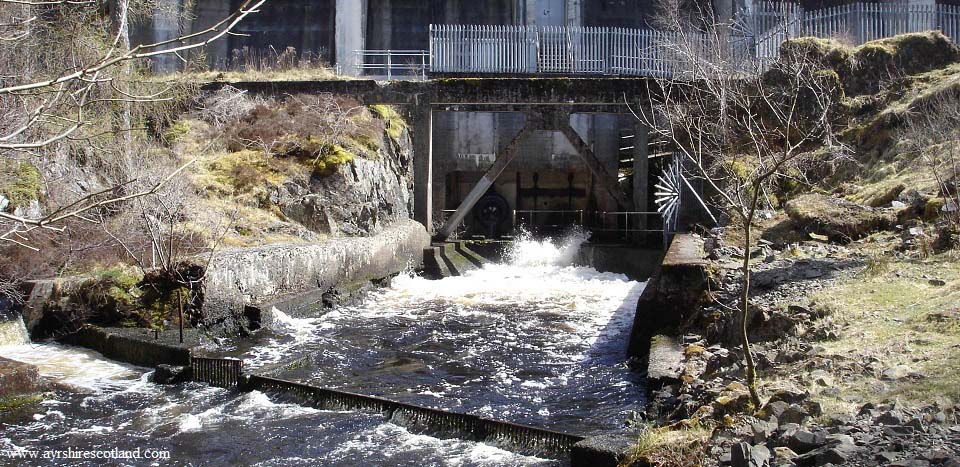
[(324, 131)]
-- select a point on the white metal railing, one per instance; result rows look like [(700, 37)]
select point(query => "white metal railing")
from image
[(757, 35), (392, 64)]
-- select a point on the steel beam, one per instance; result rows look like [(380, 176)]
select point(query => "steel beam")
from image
[(503, 160), (608, 182)]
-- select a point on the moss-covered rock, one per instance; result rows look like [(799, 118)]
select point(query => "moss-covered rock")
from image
[(394, 123), (838, 219), (20, 182), (862, 69)]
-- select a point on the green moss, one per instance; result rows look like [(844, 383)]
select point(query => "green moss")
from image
[(113, 293), (395, 125), (10, 404), (331, 157), (239, 172), (20, 182), (176, 132), (162, 304)]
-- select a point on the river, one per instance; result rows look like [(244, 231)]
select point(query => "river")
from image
[(534, 340)]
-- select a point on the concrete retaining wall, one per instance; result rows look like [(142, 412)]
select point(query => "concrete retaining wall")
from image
[(239, 280), (672, 294), (128, 349)]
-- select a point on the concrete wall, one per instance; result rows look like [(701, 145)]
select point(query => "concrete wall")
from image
[(242, 278), (307, 26), (128, 349), (617, 13), (672, 294)]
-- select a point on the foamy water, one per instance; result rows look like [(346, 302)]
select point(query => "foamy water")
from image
[(535, 340), (74, 366), (518, 341)]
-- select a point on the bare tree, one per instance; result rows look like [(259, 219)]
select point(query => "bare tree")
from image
[(933, 133), (738, 126), (67, 67)]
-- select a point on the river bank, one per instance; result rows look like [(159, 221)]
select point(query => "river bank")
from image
[(856, 350)]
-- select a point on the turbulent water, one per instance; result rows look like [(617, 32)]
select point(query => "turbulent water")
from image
[(534, 341)]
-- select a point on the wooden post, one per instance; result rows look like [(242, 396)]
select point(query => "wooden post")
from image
[(180, 312)]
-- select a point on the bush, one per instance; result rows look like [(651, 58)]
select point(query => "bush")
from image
[(321, 130), (112, 296)]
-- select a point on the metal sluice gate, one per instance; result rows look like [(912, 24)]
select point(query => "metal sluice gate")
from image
[(227, 373)]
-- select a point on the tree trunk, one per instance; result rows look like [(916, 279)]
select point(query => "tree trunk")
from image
[(744, 315)]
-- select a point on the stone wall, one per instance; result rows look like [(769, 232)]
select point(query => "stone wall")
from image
[(239, 280)]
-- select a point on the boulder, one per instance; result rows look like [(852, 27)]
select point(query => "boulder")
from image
[(18, 378), (838, 450), (745, 455), (603, 450), (170, 374), (838, 219), (803, 441)]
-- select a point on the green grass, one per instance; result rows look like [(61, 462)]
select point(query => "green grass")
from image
[(671, 448), (888, 313)]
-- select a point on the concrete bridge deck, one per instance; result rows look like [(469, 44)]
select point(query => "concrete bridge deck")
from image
[(599, 91)]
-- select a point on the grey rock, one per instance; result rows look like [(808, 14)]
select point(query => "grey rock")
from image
[(838, 450), (4, 202), (916, 424), (784, 454), (793, 414), (763, 430), (896, 431), (603, 450), (890, 417), (910, 463), (803, 441), (790, 397), (886, 457), (821, 378), (897, 373), (745, 455), (169, 374)]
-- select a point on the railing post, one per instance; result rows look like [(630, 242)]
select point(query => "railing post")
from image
[(389, 67)]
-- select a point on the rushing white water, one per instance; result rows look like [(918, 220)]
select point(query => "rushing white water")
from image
[(520, 341), (535, 340), (13, 332), (74, 366)]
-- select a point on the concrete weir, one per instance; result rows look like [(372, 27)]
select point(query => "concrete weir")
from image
[(242, 285)]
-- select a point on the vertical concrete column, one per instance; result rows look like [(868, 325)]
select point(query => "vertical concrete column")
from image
[(574, 12), (530, 12), (423, 165), (205, 15), (350, 29), (641, 171)]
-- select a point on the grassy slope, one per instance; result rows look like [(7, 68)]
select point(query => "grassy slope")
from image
[(894, 314)]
